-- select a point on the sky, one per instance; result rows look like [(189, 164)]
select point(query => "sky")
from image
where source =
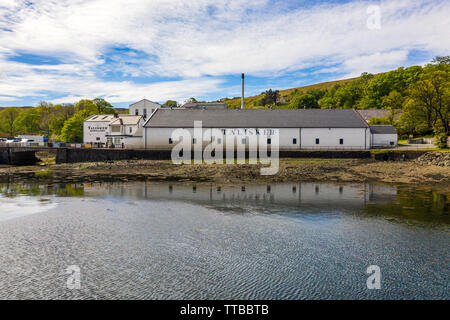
[(62, 51)]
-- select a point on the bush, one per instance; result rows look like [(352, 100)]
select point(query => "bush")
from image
[(441, 137)]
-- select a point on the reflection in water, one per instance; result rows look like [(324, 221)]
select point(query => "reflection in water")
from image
[(372, 199), (22, 206), (185, 241)]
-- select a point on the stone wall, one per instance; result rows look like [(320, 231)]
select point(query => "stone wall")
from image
[(65, 155)]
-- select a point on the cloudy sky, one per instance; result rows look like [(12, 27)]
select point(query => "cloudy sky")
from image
[(125, 50)]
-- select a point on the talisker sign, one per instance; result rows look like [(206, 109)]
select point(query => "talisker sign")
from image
[(97, 129)]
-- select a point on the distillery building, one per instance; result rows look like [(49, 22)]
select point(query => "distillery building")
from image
[(297, 129)]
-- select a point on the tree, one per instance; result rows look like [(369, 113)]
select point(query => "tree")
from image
[(171, 103), (392, 102), (45, 110), (60, 114), (7, 118), (28, 122), (432, 94), (307, 101), (270, 97), (103, 106), (72, 130), (441, 60)]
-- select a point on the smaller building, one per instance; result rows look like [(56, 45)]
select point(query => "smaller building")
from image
[(383, 136), (95, 128), (125, 131), (112, 130)]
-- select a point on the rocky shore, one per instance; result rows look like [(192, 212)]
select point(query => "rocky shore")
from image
[(438, 159), (291, 170)]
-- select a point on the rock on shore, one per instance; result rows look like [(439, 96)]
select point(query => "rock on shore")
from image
[(436, 158)]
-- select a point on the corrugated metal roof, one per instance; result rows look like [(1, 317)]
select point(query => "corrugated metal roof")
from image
[(257, 118), (100, 118), (126, 120), (383, 129)]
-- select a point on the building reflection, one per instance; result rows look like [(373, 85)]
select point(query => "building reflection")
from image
[(293, 194)]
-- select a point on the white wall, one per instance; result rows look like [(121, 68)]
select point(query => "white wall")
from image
[(355, 138), (143, 105), (384, 140), (93, 130)]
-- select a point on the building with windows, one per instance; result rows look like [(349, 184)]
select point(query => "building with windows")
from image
[(143, 108), (308, 129), (123, 131)]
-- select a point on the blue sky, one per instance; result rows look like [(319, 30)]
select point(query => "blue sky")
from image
[(64, 51)]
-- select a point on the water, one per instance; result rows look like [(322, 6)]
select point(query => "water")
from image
[(186, 241)]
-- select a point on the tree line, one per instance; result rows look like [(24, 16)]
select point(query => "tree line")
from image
[(61, 122), (418, 98)]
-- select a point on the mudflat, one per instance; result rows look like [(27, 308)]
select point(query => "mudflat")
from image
[(290, 170)]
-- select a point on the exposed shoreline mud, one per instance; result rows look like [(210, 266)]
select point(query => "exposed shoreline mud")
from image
[(291, 170)]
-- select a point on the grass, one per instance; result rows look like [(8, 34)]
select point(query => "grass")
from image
[(43, 173)]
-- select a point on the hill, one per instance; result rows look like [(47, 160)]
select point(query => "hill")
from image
[(284, 94)]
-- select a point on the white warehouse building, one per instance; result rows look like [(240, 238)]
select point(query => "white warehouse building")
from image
[(298, 129), (310, 129)]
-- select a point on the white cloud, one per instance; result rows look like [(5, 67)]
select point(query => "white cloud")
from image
[(189, 40)]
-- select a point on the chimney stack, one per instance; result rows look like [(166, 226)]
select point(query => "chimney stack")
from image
[(242, 98)]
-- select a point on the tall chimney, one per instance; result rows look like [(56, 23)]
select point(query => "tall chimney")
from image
[(242, 98)]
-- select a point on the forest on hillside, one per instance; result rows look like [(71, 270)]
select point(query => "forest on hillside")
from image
[(422, 94), (418, 97)]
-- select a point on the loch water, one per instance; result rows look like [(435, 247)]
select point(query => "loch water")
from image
[(146, 240)]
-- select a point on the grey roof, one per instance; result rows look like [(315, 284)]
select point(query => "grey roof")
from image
[(382, 129), (257, 118), (200, 105)]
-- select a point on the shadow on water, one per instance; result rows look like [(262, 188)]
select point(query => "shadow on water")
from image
[(394, 203)]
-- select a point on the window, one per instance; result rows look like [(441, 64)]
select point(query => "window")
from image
[(269, 141), (317, 140), (145, 113), (116, 140), (131, 129), (341, 141), (244, 141), (219, 140), (294, 141), (115, 128), (98, 138), (136, 112), (391, 143), (153, 110), (170, 141), (194, 141)]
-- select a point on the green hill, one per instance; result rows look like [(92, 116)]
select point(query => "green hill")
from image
[(285, 95)]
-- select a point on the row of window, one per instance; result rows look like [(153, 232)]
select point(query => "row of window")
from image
[(269, 141)]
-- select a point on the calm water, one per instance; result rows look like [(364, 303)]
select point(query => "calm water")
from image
[(174, 241)]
